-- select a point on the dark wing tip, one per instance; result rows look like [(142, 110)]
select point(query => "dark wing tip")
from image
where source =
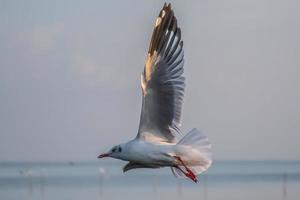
[(167, 5), (164, 23)]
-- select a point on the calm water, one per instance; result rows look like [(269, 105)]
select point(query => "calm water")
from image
[(105, 180)]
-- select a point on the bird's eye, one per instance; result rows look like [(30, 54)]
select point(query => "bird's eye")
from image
[(113, 150), (120, 149)]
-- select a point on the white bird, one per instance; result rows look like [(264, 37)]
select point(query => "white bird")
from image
[(163, 84)]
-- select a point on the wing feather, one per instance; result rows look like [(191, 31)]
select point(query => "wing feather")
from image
[(162, 81)]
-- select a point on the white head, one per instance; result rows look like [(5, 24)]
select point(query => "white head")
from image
[(115, 152)]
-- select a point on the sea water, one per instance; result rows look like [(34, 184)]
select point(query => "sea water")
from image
[(104, 179)]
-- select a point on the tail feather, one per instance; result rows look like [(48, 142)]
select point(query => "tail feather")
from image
[(195, 148), (197, 140)]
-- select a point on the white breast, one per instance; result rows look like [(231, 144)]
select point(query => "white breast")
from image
[(144, 152)]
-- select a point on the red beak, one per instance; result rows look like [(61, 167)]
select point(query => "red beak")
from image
[(103, 155)]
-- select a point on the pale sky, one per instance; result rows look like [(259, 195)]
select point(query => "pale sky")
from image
[(70, 76)]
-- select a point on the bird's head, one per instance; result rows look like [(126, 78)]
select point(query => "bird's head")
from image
[(115, 152)]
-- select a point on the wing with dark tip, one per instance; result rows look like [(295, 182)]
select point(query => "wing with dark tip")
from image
[(162, 81), (134, 165)]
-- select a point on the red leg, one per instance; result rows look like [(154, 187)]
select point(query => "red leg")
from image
[(189, 172)]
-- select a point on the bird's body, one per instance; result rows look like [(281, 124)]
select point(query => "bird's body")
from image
[(148, 153), (163, 84), (157, 154)]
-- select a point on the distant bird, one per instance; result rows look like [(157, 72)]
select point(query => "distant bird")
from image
[(163, 86)]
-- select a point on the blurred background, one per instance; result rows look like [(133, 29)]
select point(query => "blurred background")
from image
[(70, 89)]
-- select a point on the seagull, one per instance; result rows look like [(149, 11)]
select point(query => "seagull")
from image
[(156, 144)]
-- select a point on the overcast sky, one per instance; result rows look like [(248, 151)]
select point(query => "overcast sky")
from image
[(70, 76)]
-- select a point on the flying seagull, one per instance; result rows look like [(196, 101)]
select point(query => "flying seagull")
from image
[(163, 84)]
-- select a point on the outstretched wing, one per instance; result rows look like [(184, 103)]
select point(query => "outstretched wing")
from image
[(162, 81)]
